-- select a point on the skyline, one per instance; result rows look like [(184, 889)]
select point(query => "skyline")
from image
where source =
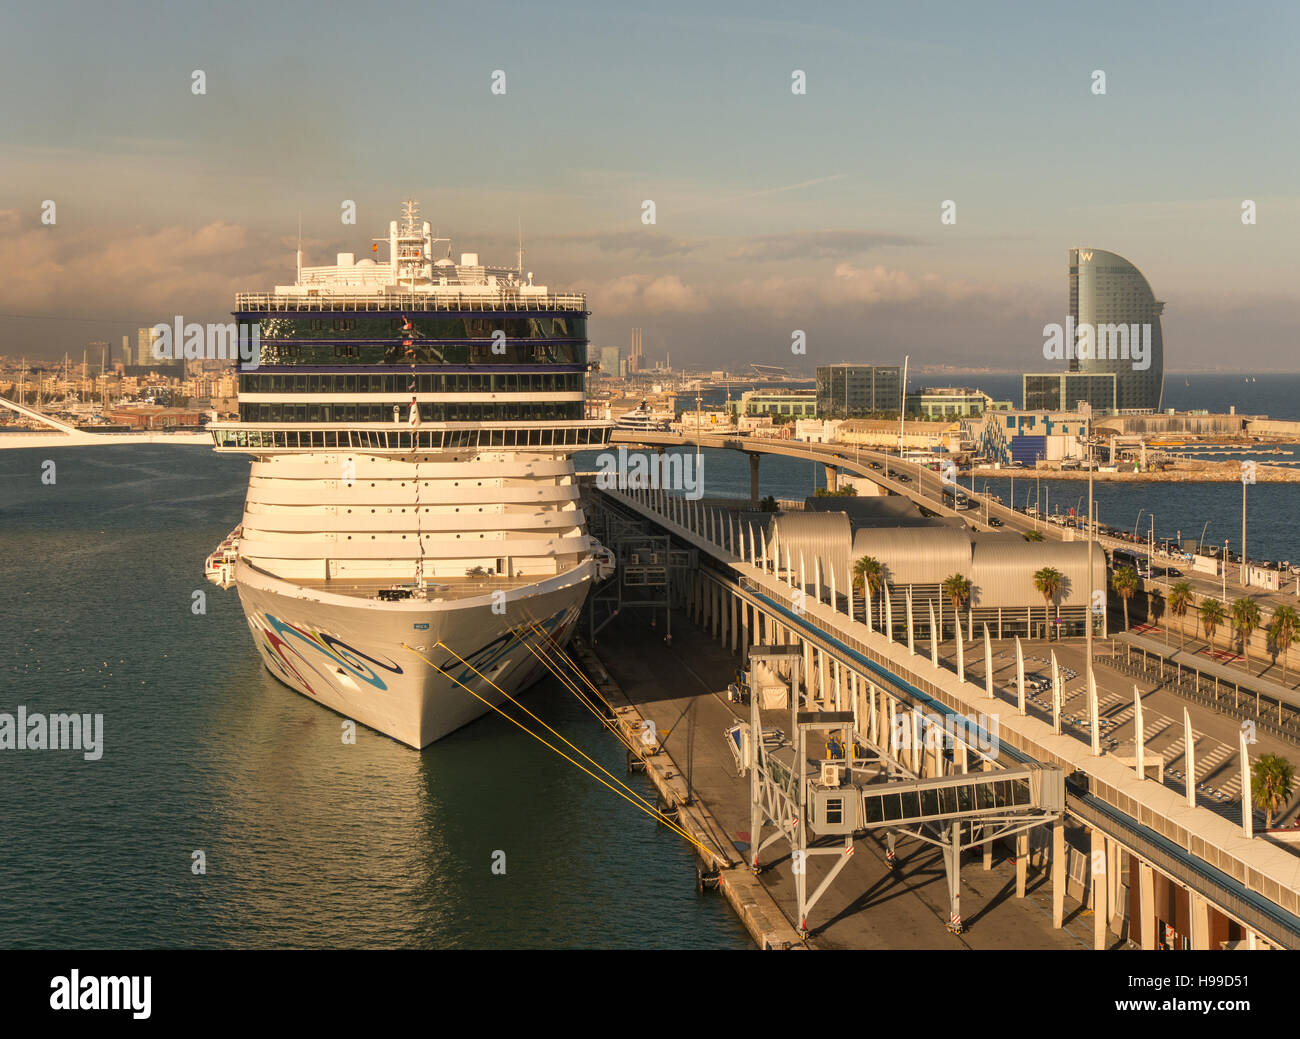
[(774, 211)]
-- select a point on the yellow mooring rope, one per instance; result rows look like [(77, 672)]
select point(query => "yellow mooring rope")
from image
[(635, 799), (568, 682)]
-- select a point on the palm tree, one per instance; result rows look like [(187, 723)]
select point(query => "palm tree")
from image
[(1125, 582), (1033, 535), (1212, 615), (768, 504), (1283, 630), (1271, 779), (1245, 618), (868, 573), (1181, 599), (957, 589), (1048, 582)]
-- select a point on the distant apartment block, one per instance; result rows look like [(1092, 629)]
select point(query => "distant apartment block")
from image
[(953, 402), (1063, 391), (854, 390), (777, 403)]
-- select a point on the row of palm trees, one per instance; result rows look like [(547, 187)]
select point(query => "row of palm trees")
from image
[(1243, 616), (869, 573), (1272, 781)]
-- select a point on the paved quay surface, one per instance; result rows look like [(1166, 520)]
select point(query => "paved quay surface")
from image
[(1218, 768), (682, 689)]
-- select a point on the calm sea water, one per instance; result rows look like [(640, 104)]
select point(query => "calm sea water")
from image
[(308, 842)]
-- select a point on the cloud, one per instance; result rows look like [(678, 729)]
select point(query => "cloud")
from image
[(645, 243), (814, 245), (66, 277), (637, 293)]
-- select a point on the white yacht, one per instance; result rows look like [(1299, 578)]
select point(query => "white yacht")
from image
[(641, 419)]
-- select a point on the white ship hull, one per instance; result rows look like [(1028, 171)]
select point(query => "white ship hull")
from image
[(352, 656)]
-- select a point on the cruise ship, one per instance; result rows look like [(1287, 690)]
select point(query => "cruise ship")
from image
[(413, 519)]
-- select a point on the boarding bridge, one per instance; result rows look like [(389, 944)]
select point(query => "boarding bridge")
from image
[(845, 797)]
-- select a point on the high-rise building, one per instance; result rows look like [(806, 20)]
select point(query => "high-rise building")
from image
[(1110, 297), (609, 358), (145, 363), (144, 346), (848, 390)]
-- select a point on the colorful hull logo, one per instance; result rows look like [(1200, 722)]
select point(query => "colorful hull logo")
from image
[(287, 641)]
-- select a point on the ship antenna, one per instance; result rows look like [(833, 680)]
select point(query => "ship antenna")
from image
[(299, 280), (521, 248)]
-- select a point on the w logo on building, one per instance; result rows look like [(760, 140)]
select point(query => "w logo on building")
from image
[(1084, 257)]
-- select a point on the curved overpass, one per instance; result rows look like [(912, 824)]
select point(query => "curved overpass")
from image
[(921, 486)]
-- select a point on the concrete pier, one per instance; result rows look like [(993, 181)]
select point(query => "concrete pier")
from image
[(682, 690)]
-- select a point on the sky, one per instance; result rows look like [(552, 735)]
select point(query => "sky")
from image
[(775, 211)]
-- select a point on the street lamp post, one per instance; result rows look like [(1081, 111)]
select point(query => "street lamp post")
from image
[(699, 429), (1091, 532), (1243, 532), (1224, 570), (902, 411)]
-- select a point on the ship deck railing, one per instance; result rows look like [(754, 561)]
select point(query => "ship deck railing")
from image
[(439, 588), (582, 434), (484, 300)]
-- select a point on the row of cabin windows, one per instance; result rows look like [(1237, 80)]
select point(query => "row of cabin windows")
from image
[(424, 351), (409, 382), (429, 412)]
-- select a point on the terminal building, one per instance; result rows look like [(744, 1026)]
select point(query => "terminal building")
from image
[(919, 553)]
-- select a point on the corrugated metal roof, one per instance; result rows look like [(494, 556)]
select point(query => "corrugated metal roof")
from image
[(824, 535), (1003, 567), (916, 555), (1000, 566)]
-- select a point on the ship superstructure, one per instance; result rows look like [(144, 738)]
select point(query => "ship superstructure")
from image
[(412, 422)]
